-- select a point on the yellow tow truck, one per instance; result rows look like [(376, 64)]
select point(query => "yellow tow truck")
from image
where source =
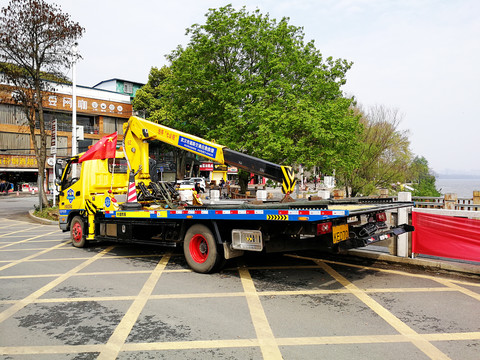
[(94, 206)]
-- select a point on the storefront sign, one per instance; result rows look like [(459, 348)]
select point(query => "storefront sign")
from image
[(14, 161), (88, 105), (220, 167), (206, 167)]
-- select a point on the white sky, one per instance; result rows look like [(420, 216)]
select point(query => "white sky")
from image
[(421, 57)]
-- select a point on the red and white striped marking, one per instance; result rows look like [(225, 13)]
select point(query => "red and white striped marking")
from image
[(132, 192)]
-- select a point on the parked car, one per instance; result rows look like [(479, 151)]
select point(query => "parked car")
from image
[(185, 184)]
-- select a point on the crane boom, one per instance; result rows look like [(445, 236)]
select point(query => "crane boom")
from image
[(138, 130)]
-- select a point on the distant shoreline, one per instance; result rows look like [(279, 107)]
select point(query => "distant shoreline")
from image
[(457, 176)]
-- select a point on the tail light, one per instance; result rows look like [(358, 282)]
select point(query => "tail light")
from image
[(381, 217), (324, 228)]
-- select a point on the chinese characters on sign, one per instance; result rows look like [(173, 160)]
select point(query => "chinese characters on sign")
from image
[(54, 137), (13, 161), (61, 102), (198, 147), (167, 134)]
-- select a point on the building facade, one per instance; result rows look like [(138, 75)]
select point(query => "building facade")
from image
[(99, 112)]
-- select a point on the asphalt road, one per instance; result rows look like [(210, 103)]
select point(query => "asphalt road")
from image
[(134, 302)]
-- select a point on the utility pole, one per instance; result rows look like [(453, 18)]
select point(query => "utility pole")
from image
[(74, 100)]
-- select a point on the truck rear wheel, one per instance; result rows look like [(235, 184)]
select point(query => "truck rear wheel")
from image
[(200, 249), (77, 232)]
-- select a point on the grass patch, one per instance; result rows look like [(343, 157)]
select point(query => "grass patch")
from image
[(49, 213)]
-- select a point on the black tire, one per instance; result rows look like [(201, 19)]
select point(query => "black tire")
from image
[(201, 250), (77, 232)]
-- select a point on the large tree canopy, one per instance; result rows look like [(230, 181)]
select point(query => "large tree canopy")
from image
[(35, 45), (253, 84)]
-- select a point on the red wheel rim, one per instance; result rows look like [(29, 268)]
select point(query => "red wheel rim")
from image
[(198, 248), (77, 232)]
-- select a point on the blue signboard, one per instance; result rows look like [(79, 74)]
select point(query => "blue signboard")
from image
[(107, 202), (198, 147)]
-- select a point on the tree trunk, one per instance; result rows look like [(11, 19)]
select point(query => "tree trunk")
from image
[(243, 179), (181, 162)]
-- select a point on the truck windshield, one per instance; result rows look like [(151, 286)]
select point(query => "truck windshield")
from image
[(71, 175), (117, 166)]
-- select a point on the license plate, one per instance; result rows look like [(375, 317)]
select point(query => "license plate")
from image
[(340, 233)]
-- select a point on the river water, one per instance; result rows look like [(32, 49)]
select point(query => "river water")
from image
[(462, 187)]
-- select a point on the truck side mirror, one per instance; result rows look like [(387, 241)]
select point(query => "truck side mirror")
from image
[(58, 171)]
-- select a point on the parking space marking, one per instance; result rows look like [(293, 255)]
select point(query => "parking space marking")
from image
[(419, 341), (369, 339), (451, 283), (26, 240), (266, 339), (35, 295), (25, 259), (237, 343), (119, 336), (30, 249), (53, 349)]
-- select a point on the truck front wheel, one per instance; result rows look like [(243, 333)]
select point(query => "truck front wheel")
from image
[(200, 249), (77, 232)]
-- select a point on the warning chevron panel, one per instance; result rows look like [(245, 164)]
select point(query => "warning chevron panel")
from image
[(277, 217)]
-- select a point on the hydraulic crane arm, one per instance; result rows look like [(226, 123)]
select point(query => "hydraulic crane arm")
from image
[(138, 130)]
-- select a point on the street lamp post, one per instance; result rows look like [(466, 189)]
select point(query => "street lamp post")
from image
[(74, 100)]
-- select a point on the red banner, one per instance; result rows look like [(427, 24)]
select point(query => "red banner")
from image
[(446, 236)]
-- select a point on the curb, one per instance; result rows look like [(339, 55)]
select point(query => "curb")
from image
[(432, 264), (41, 220)]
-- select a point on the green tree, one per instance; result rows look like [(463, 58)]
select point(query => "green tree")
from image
[(35, 39), (423, 180), (253, 84), (383, 153)]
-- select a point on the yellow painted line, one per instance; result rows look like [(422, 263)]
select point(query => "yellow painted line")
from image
[(130, 298), (117, 340), (183, 345), (85, 257), (44, 289), (456, 287), (266, 339), (85, 299), (302, 292), (26, 240), (375, 339), (38, 350), (342, 340), (420, 342), (13, 232), (31, 249), (206, 295), (397, 272), (409, 290), (6, 277), (26, 259), (235, 343), (279, 267), (452, 336)]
